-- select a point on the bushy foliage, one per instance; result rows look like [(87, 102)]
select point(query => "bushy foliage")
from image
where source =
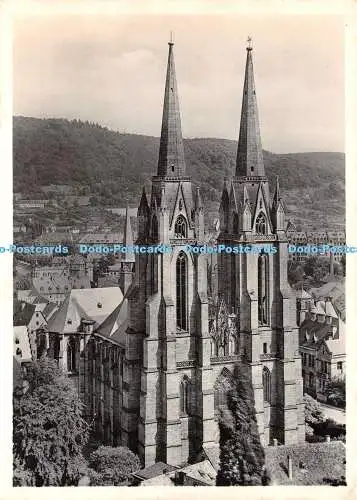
[(241, 453), (112, 465), (313, 413), (335, 392), (48, 429)]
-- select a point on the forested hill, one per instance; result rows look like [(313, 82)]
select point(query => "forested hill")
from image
[(113, 166)]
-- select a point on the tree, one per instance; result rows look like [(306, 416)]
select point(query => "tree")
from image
[(48, 429), (242, 456), (313, 413), (335, 391), (112, 465)]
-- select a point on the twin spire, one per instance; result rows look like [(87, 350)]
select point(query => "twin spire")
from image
[(171, 154), (249, 154)]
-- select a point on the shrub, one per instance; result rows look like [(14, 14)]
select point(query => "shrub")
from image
[(113, 466)]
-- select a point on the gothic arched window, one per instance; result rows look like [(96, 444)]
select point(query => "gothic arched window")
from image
[(222, 386), (184, 395), (71, 356), (180, 227), (154, 228), (181, 291), (263, 289), (266, 385), (261, 224)]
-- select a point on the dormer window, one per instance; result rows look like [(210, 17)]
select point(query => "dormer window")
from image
[(180, 227)]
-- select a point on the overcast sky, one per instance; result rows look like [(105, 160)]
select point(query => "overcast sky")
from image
[(111, 70)]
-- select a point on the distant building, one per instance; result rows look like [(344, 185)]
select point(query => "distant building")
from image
[(322, 343), (333, 238), (31, 204), (56, 281)]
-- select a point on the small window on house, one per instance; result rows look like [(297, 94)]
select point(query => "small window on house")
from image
[(180, 205), (339, 365), (69, 321), (252, 169), (17, 341), (37, 315), (18, 352), (172, 168), (265, 348)]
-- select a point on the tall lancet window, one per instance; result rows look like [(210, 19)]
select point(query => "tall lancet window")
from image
[(181, 291), (154, 228), (180, 227), (71, 355), (261, 224), (263, 289), (266, 385), (185, 396)]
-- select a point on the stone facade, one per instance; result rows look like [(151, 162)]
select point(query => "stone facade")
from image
[(154, 374), (258, 292)]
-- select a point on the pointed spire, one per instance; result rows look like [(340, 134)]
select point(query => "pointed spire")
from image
[(144, 205), (250, 153), (224, 197), (171, 154), (277, 189), (245, 195), (163, 199), (128, 239), (277, 196), (277, 199), (199, 202)]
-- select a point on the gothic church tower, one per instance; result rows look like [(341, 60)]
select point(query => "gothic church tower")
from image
[(167, 390), (258, 292)]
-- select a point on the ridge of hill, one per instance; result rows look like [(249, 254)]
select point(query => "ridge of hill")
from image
[(112, 167)]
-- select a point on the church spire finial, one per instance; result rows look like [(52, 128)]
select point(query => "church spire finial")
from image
[(171, 42), (249, 43), (250, 153), (171, 154)]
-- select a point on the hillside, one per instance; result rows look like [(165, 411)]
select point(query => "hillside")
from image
[(112, 167)]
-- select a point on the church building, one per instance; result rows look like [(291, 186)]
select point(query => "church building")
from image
[(155, 372)]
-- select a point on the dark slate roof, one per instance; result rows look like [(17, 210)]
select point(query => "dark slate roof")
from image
[(154, 470)]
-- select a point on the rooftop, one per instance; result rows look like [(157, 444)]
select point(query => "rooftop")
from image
[(321, 460)]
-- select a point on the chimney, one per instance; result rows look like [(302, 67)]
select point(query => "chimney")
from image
[(179, 478), (290, 467)]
